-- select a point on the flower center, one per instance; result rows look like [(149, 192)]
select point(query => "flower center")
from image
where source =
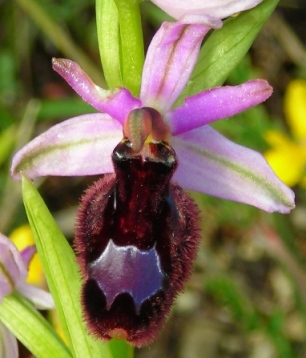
[(145, 124)]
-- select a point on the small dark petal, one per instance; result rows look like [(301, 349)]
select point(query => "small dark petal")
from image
[(136, 241)]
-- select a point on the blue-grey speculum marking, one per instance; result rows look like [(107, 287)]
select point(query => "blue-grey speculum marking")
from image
[(126, 269)]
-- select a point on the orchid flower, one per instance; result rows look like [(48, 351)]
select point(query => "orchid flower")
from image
[(137, 231), (206, 12), (208, 162), (13, 273)]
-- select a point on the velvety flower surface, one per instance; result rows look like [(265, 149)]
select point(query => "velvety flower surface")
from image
[(208, 162), (204, 11), (13, 273), (137, 236)]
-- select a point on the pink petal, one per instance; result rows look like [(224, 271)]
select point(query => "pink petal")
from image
[(41, 299), (171, 57), (8, 345), (217, 103), (79, 146), (207, 20), (117, 103), (12, 268), (211, 164), (27, 254), (218, 9), (6, 286)]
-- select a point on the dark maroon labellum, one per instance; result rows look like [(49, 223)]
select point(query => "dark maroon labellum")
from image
[(136, 239)]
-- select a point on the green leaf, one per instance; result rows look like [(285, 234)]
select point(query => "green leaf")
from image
[(109, 41), (7, 140), (132, 52), (31, 328), (62, 275), (225, 48)]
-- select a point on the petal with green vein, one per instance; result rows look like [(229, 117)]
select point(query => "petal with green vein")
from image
[(212, 164), (77, 146)]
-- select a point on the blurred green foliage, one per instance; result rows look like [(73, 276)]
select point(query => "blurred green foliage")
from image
[(238, 273)]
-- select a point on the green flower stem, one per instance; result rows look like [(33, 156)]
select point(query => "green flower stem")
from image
[(62, 274), (109, 41), (225, 48), (31, 328), (132, 52), (121, 349), (61, 39)]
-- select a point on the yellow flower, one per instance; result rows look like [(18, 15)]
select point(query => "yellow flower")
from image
[(22, 237), (287, 156)]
